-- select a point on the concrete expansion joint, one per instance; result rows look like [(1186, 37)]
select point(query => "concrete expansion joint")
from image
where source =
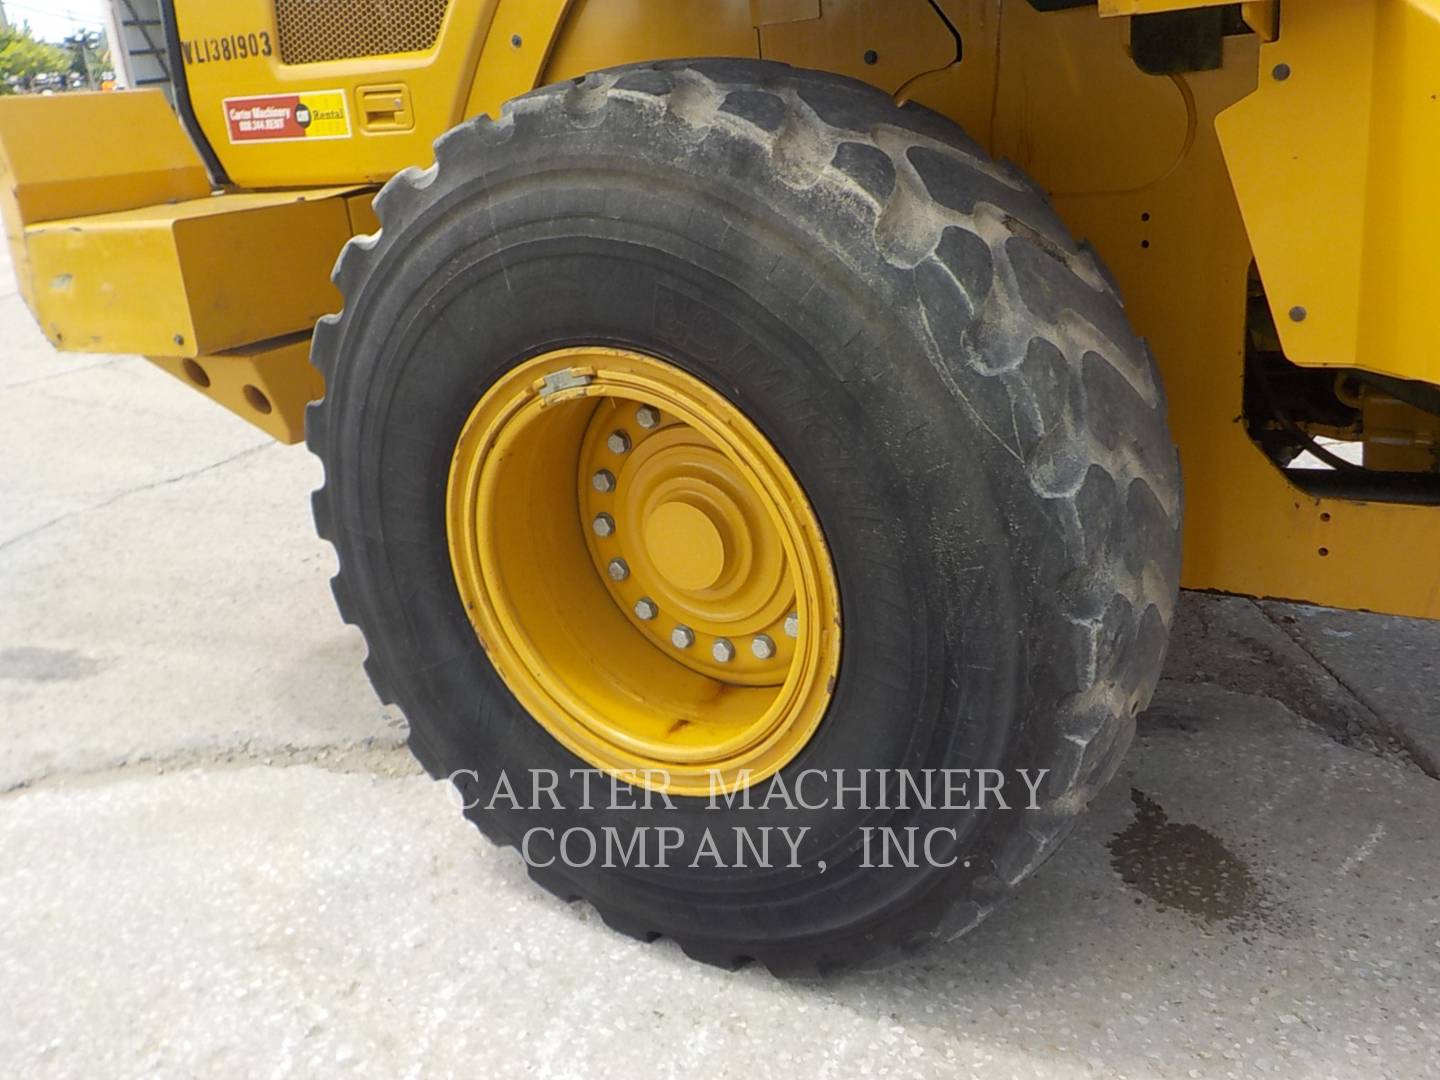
[(137, 490), (1396, 736), (369, 756)]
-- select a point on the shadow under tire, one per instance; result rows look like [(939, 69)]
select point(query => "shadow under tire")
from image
[(950, 378)]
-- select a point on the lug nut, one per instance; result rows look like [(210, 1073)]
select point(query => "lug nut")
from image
[(646, 609), (763, 646), (647, 417), (792, 625), (723, 651), (604, 525), (619, 569), (682, 637), (618, 442), (603, 481)]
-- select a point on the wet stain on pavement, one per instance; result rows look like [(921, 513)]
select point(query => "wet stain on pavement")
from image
[(28, 663), (1184, 866)]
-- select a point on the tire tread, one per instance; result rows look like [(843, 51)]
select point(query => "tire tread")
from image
[(978, 236)]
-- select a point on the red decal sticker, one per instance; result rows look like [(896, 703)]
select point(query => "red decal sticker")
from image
[(312, 114)]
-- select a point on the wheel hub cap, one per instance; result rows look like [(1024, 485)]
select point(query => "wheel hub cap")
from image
[(685, 546)]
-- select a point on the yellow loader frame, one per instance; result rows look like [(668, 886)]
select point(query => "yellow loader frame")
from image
[(1309, 152)]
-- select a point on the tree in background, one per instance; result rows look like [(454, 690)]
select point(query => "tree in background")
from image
[(89, 56), (22, 59)]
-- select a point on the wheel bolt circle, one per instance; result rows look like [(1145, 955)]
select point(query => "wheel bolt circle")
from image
[(762, 646)]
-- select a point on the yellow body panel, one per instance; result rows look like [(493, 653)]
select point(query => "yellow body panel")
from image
[(629, 31), (73, 154), (99, 166), (1400, 436), (194, 277), (1110, 8), (437, 82), (965, 91), (884, 44), (1335, 160), (1075, 112), (516, 51), (1183, 274), (1261, 15), (268, 384), (1333, 166), (1129, 157), (363, 219)]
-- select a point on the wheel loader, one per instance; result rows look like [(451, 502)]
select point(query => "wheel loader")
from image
[(753, 429)]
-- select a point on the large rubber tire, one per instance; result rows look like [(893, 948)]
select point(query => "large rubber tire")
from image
[(950, 377)]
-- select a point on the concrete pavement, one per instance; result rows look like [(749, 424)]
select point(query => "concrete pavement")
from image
[(216, 859)]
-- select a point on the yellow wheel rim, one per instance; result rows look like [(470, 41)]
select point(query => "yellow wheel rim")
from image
[(643, 570)]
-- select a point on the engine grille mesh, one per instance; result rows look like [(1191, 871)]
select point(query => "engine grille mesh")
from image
[(312, 31)]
